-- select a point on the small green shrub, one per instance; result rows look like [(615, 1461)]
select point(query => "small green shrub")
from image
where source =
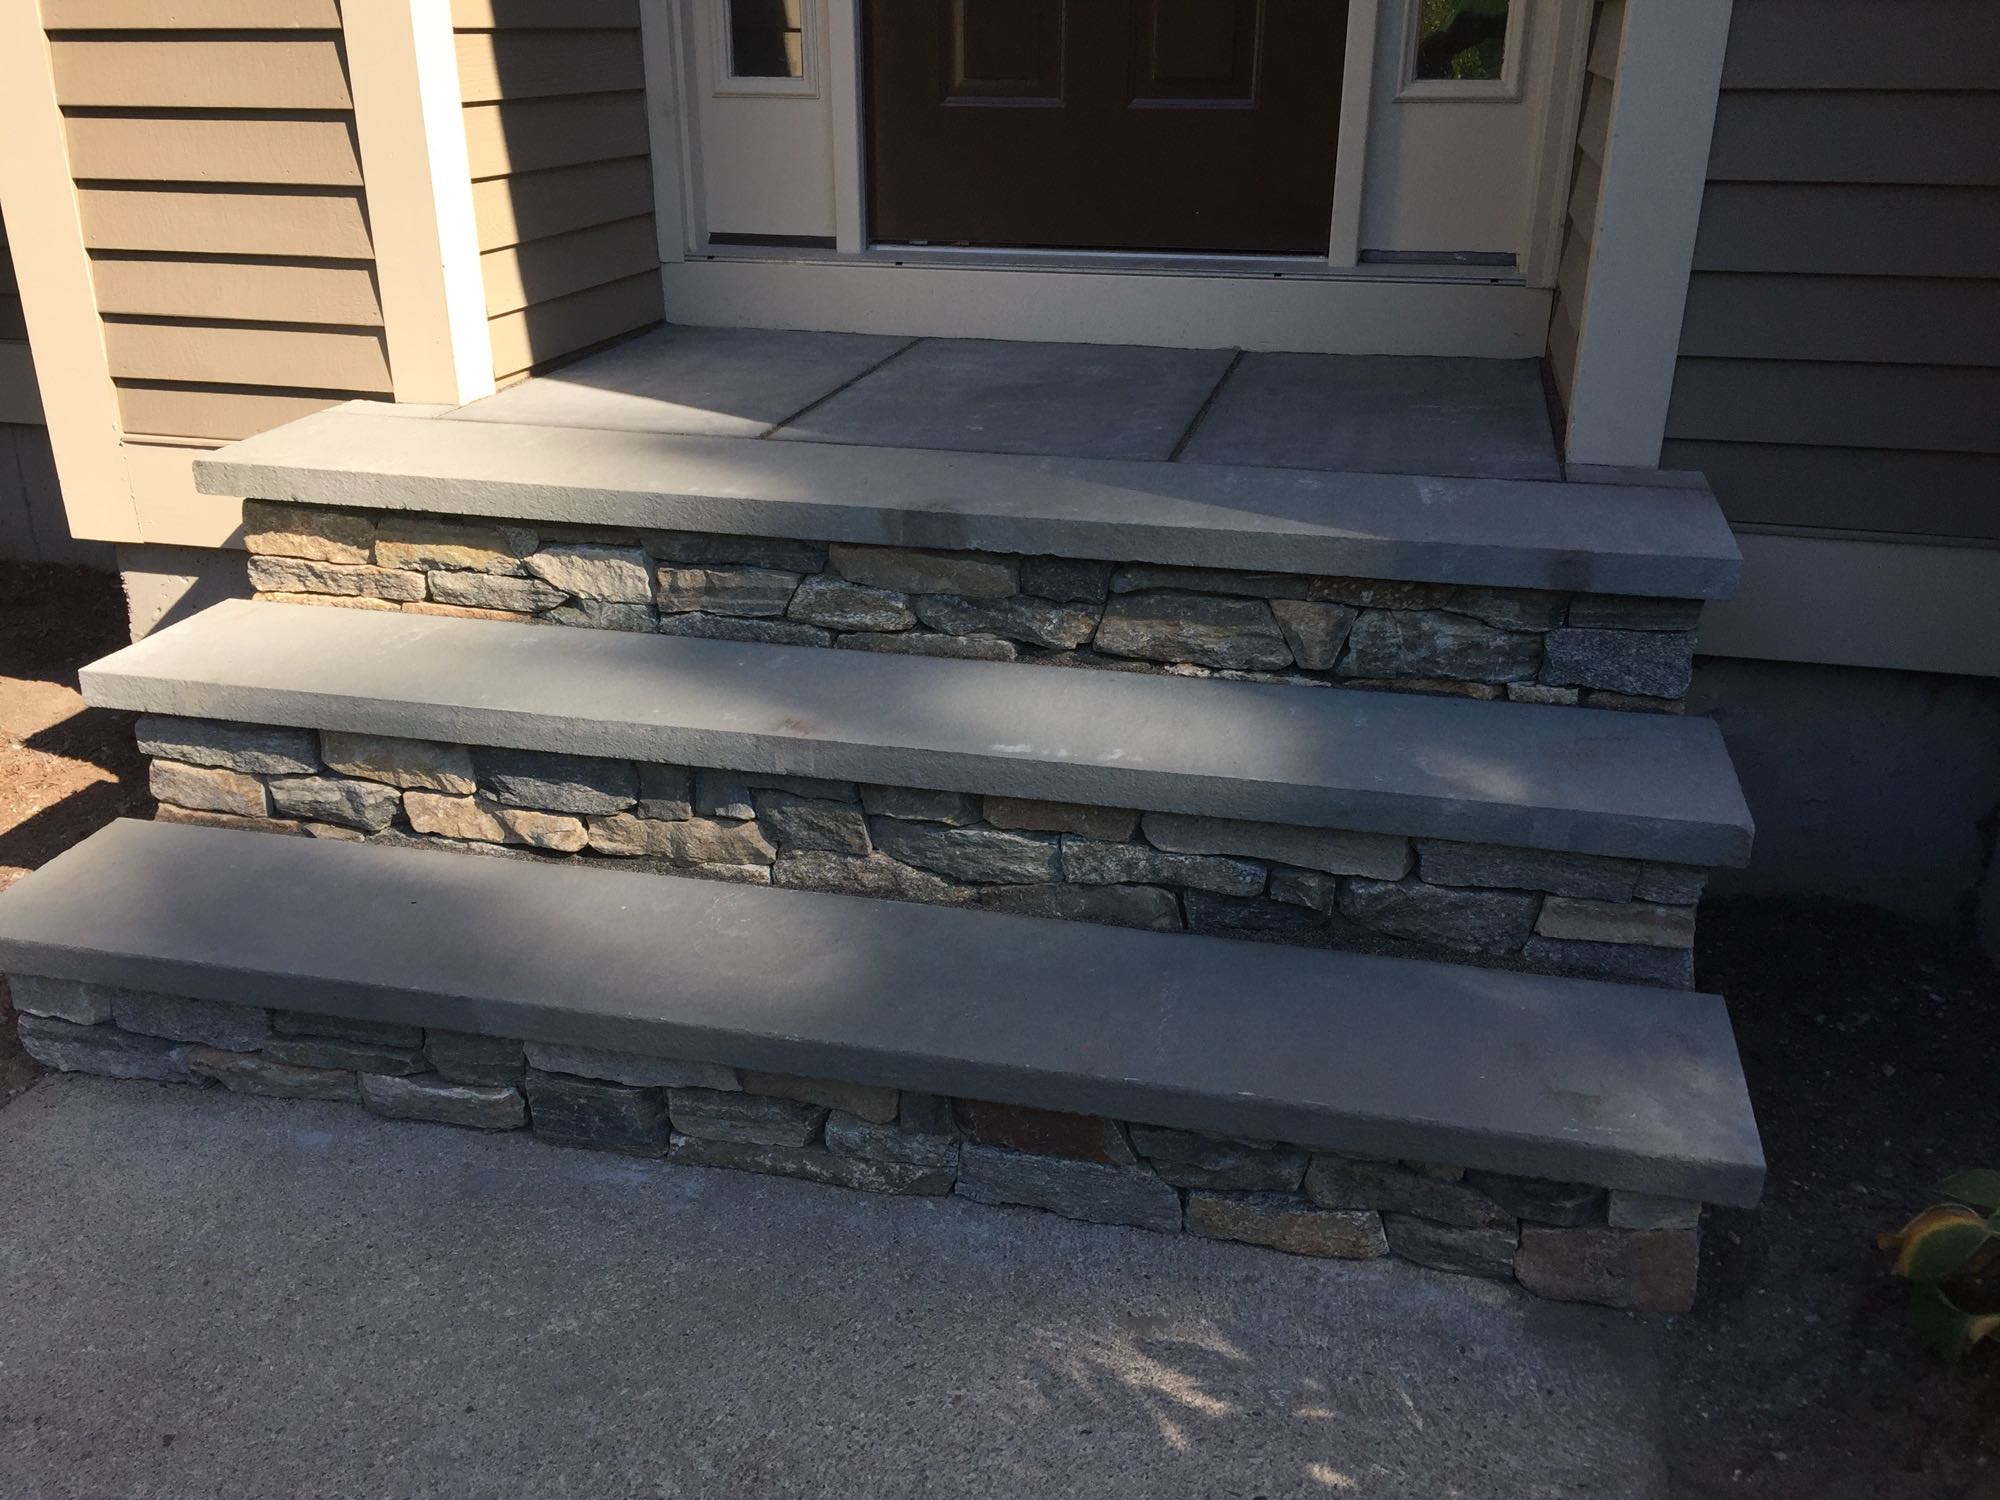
[(1949, 1253)]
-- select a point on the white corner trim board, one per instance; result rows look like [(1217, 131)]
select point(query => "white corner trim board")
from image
[(411, 127), (1649, 207)]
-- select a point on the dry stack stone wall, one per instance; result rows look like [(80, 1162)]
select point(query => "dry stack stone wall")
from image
[(1573, 1241), (1578, 915), (1535, 646)]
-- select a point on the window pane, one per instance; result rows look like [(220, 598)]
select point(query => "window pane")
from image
[(1461, 39), (766, 39)]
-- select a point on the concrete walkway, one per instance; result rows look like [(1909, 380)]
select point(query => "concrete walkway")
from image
[(209, 1295)]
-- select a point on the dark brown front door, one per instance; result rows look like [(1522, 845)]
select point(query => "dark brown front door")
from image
[(1105, 124)]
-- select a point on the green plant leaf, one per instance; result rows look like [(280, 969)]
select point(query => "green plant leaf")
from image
[(1979, 1188), (1939, 1241), (1947, 1327)]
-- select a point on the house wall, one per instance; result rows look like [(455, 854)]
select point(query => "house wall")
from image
[(557, 136), (1869, 786), (32, 525), (1580, 226), (218, 182), (1839, 366), (20, 402)]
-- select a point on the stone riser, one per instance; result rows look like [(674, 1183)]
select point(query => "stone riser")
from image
[(1570, 1241), (1546, 912), (1539, 646)]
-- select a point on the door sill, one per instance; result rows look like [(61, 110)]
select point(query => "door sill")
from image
[(1122, 263), (1324, 311)]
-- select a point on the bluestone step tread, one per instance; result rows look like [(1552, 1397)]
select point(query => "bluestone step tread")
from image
[(1582, 780), (1561, 1078), (1669, 541)]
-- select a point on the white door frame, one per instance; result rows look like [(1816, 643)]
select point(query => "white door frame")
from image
[(1489, 311)]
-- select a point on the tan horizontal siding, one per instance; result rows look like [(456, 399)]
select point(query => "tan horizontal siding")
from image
[(512, 210), (533, 135), (1562, 348), (221, 413), (341, 293), (329, 225), (523, 275), (1607, 35), (20, 397), (1584, 186), (1863, 44), (305, 73), (1893, 492), (1897, 320), (1586, 182), (1593, 128), (496, 65), (560, 15), (330, 359), (191, 15), (1841, 341), (1822, 229), (193, 148), (558, 142), (1573, 271), (1936, 408), (220, 191), (1941, 139), (550, 330)]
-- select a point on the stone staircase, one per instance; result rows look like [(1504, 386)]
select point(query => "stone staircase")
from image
[(1343, 902)]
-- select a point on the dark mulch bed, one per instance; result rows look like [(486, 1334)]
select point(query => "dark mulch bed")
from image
[(1873, 1051)]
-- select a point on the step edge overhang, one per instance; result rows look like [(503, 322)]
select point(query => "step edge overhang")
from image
[(1666, 541), (577, 714), (1691, 1028)]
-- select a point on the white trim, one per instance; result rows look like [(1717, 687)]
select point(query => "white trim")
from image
[(1330, 314), (403, 70), (685, 71), (663, 126), (1655, 168), (1350, 158), (1502, 90), (1901, 606), (843, 97)]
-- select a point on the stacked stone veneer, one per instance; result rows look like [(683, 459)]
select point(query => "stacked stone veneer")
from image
[(1559, 913), (1573, 1241), (1537, 646)]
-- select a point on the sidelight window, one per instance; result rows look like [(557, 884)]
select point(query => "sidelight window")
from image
[(1462, 40), (766, 38)]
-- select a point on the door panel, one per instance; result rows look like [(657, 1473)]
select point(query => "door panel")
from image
[(1005, 51), (1198, 125), (1200, 52)]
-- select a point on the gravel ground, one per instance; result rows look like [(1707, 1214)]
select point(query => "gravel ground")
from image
[(65, 770)]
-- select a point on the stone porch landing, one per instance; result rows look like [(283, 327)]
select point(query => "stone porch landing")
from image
[(1358, 414)]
